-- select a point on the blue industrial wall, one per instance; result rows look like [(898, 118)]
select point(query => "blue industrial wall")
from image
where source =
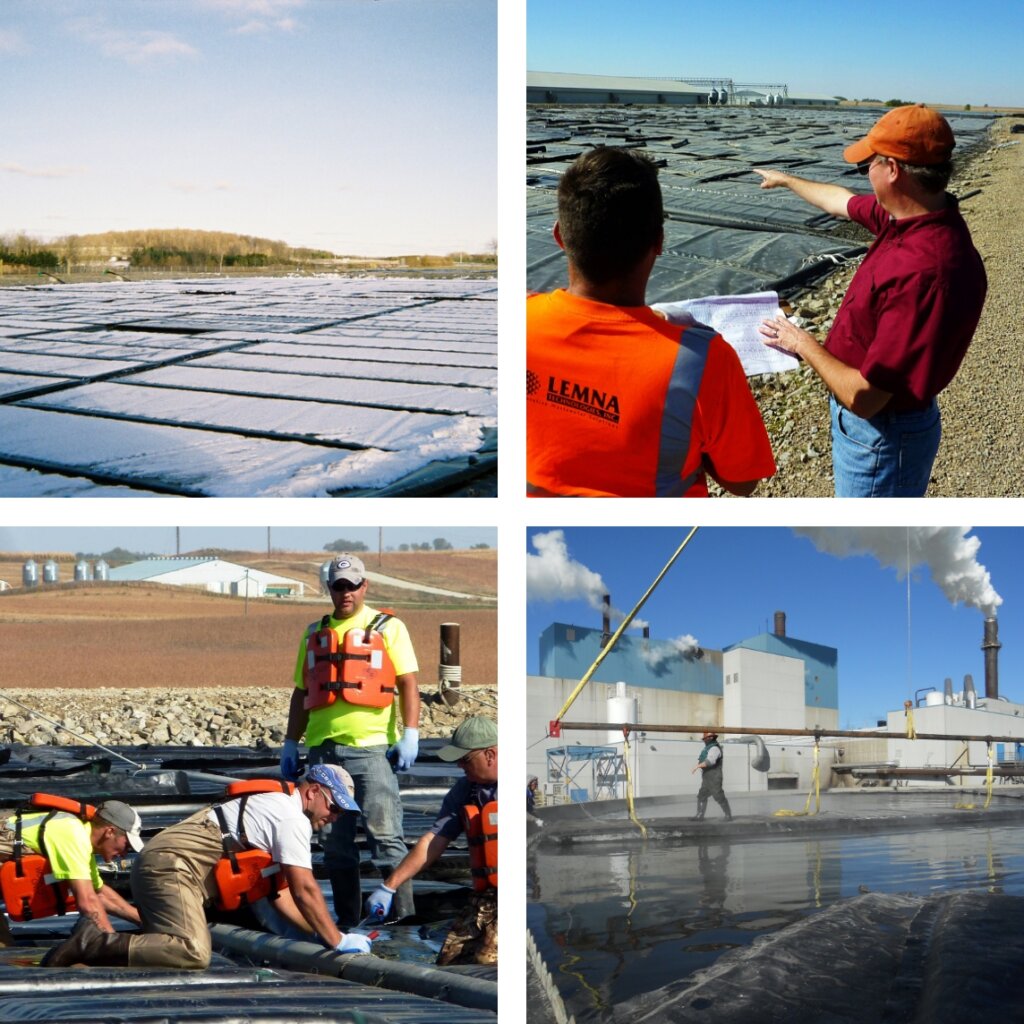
[(821, 665), (566, 652)]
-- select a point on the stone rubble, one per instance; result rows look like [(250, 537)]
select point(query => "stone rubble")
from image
[(203, 717)]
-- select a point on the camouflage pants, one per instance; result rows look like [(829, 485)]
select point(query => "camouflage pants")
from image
[(473, 937)]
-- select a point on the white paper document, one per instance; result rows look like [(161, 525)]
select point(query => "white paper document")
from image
[(736, 318)]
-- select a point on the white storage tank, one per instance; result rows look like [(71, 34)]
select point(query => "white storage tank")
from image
[(101, 571), (51, 572), (620, 709), (30, 574), (82, 573)]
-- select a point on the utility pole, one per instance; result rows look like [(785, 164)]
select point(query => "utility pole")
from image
[(177, 540), (380, 546), (268, 542)]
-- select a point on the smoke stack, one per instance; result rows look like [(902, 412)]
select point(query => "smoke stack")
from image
[(647, 632), (780, 623), (970, 694), (606, 618), (948, 698), (990, 645)]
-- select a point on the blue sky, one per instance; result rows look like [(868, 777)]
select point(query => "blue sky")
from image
[(161, 539), (358, 126), (936, 51), (729, 581)]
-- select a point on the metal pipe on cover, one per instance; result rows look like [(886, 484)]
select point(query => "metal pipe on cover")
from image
[(780, 623), (739, 730), (606, 614), (366, 969)]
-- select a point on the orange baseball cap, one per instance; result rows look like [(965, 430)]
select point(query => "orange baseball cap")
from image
[(914, 134)]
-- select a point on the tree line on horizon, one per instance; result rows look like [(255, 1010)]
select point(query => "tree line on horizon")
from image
[(189, 249)]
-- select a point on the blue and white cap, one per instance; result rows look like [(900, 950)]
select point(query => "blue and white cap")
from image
[(338, 782)]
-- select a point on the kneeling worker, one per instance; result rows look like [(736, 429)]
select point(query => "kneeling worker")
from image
[(471, 805), (48, 860), (233, 852)]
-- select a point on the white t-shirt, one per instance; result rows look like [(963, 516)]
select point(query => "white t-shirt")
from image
[(274, 822)]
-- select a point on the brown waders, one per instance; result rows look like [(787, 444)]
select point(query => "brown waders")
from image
[(171, 880), (473, 936)]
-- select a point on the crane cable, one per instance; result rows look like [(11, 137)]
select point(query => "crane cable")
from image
[(622, 628)]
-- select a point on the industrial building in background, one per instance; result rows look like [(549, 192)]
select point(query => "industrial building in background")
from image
[(618, 90), (212, 574), (770, 682)]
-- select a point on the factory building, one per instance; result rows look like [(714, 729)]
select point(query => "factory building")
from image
[(212, 574), (568, 89), (555, 87), (770, 680)]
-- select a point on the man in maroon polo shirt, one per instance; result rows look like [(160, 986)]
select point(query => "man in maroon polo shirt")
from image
[(910, 311)]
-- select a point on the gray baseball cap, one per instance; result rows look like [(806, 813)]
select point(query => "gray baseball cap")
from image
[(476, 733), (346, 567), (126, 818)]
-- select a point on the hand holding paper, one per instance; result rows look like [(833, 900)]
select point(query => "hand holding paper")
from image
[(738, 319)]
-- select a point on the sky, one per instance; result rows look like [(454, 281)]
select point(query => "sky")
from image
[(729, 581), (364, 127), (935, 51), (161, 540)]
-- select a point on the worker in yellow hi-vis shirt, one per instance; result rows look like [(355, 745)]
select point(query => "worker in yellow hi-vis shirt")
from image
[(356, 669)]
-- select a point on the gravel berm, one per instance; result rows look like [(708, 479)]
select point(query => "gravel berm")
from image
[(981, 454)]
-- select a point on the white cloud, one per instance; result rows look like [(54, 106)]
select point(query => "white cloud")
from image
[(12, 42), (42, 172), (134, 47)]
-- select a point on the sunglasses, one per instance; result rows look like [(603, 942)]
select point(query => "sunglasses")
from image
[(346, 586), (463, 761)]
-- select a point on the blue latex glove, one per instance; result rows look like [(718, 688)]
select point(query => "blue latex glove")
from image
[(378, 903), (353, 942), (403, 754), (290, 761)]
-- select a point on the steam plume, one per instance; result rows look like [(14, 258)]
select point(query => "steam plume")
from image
[(553, 575), (947, 551), (685, 646)]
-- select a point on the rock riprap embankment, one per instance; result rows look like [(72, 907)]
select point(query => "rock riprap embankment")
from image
[(245, 716)]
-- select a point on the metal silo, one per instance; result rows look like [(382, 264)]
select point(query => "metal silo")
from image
[(30, 574), (82, 573), (101, 571), (51, 572)]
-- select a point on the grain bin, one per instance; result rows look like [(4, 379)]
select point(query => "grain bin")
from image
[(101, 571), (51, 572), (30, 574)]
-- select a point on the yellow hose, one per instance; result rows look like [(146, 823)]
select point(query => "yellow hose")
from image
[(629, 789), (815, 791)]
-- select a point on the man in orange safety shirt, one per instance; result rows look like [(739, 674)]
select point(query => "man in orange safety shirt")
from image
[(619, 402)]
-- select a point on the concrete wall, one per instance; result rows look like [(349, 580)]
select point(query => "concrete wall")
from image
[(762, 690), (995, 718)]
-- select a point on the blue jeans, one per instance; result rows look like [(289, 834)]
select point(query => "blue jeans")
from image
[(377, 796), (887, 456)]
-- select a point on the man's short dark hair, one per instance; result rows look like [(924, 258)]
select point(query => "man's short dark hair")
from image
[(931, 177), (609, 212)]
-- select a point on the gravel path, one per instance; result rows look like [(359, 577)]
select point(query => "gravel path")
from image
[(981, 454)]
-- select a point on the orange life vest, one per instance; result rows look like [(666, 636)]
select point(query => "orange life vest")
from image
[(482, 836), (360, 673), (244, 876), (29, 889)]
